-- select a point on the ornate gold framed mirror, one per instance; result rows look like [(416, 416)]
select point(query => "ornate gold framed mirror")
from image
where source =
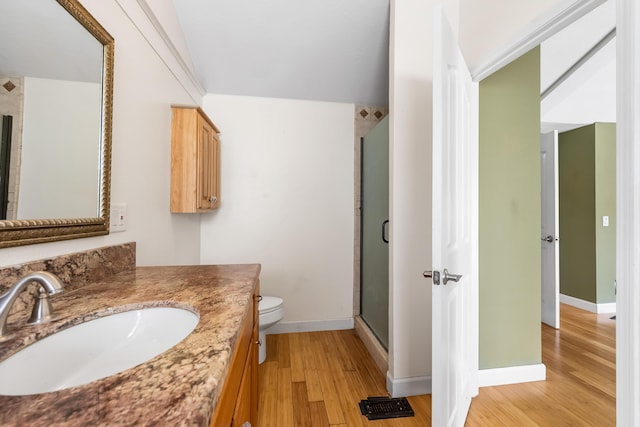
[(55, 157)]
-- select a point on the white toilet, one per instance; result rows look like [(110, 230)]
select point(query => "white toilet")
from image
[(270, 312)]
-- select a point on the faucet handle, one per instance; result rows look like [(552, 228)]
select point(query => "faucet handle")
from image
[(42, 309)]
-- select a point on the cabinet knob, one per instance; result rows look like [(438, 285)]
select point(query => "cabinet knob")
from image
[(213, 199)]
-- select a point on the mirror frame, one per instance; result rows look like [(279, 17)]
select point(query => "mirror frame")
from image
[(27, 232)]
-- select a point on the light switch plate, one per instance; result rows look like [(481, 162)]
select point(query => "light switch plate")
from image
[(605, 221)]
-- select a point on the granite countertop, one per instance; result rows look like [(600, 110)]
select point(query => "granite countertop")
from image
[(180, 387)]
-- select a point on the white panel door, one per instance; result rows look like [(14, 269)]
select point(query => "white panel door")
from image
[(455, 231), (550, 247)]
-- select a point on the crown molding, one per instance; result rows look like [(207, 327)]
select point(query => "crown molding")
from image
[(147, 23), (547, 26)]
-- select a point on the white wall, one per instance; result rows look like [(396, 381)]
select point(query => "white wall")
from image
[(144, 90), (287, 200), (410, 195), (60, 149)]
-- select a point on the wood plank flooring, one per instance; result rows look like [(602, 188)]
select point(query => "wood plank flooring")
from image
[(317, 379)]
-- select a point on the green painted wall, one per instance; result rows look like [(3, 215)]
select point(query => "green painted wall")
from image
[(605, 205), (576, 187), (509, 223), (587, 192)]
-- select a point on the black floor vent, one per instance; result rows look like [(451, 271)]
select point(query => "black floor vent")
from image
[(378, 408)]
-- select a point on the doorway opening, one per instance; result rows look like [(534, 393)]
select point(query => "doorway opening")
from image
[(578, 104)]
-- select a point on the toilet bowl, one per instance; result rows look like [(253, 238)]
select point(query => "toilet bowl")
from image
[(270, 312)]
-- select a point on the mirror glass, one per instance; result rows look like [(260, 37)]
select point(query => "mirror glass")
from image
[(56, 74)]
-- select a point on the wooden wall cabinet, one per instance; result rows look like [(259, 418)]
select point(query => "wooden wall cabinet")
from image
[(195, 161), (238, 403)]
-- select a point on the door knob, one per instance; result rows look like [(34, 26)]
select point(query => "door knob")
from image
[(446, 277)]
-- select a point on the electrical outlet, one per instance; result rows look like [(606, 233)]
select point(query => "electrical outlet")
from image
[(118, 216)]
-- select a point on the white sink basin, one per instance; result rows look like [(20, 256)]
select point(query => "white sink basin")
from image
[(95, 349)]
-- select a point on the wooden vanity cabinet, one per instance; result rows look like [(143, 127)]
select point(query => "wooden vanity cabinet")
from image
[(238, 403), (195, 161)]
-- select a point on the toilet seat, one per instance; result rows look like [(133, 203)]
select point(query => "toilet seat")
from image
[(269, 304)]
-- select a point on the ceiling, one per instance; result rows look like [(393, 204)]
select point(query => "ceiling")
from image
[(330, 50), (588, 94), (334, 50), (338, 50)]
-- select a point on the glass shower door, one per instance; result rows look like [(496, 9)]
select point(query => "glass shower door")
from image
[(374, 285), (5, 155)]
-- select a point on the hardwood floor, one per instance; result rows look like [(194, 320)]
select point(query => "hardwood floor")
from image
[(317, 379), (580, 389)]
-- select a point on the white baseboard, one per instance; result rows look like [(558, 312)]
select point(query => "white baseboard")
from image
[(414, 386), (588, 305), (379, 355), (311, 326), (511, 375), (606, 308)]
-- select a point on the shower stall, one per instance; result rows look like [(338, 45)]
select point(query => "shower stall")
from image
[(5, 156), (374, 245)]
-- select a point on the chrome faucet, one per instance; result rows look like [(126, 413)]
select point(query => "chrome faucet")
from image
[(48, 281)]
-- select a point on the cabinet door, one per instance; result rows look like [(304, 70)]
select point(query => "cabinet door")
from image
[(253, 359), (195, 162), (214, 179), (208, 187), (204, 171), (242, 413)]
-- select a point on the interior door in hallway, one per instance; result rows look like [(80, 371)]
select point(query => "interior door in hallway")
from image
[(374, 284), (454, 231), (549, 241)]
